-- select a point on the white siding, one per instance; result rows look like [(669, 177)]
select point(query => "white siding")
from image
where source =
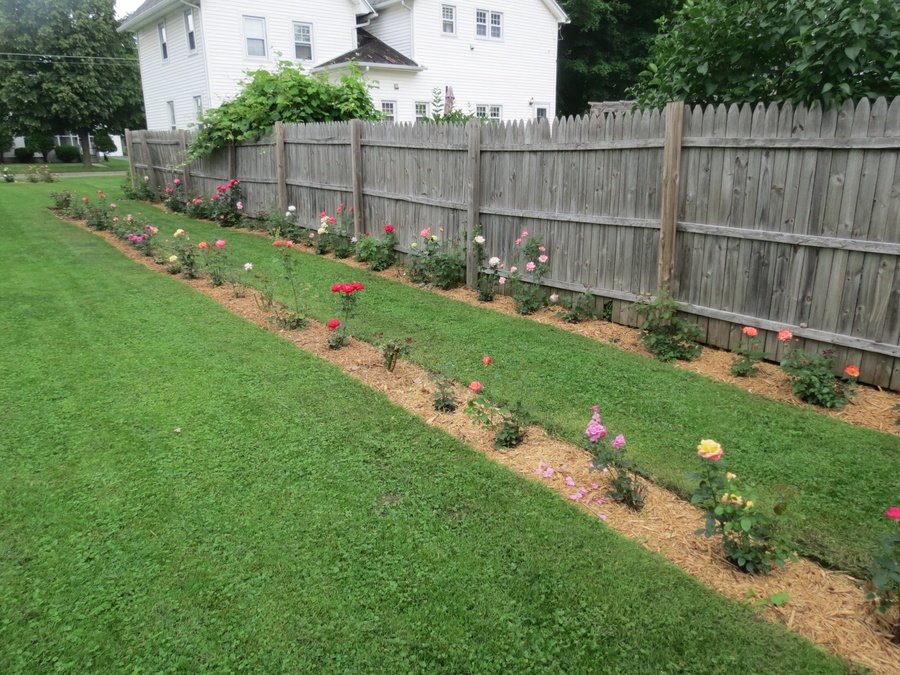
[(393, 26), (333, 34), (179, 78), (509, 72)]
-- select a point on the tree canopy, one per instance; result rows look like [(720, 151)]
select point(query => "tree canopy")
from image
[(748, 51), (604, 49), (65, 68), (287, 95)]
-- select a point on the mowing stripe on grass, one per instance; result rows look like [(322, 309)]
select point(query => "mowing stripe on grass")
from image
[(297, 521)]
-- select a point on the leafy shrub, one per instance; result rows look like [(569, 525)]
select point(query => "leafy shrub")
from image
[(7, 176), (62, 200), (140, 190), (443, 399), (750, 536), (391, 349), (508, 421), (24, 155), (174, 197), (885, 571), (436, 263), (41, 143), (663, 332), (578, 309), (198, 208), (67, 153), (628, 488), (378, 252), (812, 378), (748, 354), (529, 297), (104, 143)]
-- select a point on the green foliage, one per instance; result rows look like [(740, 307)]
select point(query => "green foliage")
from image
[(50, 95), (104, 143), (751, 537), (378, 252), (529, 296), (611, 458), (62, 200), (42, 143), (443, 398), (745, 364), (885, 572), (812, 379), (578, 309), (287, 95), (140, 189), (391, 349), (664, 332), (436, 263), (67, 153), (508, 421), (737, 51), (604, 49), (7, 176), (438, 116), (24, 154), (486, 286)]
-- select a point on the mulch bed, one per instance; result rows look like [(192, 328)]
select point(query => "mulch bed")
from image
[(825, 606)]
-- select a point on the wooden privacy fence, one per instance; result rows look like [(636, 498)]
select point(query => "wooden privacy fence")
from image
[(771, 216)]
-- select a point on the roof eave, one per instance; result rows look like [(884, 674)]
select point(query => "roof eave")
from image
[(132, 24), (368, 65), (557, 11)]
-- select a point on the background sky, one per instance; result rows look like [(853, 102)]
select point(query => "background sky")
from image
[(124, 7)]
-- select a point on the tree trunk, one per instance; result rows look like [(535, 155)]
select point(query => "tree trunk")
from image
[(85, 137)]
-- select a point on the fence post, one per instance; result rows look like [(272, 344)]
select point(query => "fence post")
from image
[(129, 148), (279, 167), (359, 217), (473, 171), (668, 221), (186, 173)]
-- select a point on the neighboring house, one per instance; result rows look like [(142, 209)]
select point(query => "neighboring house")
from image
[(68, 139), (497, 57)]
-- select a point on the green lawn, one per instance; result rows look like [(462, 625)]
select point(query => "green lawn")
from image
[(298, 521), (845, 476)]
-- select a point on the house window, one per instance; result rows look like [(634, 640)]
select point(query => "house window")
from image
[(68, 139), (198, 106), (189, 30), (489, 112), (389, 109), (255, 35), (163, 41), (303, 41), (171, 106), (541, 112), (421, 110), (488, 24), (448, 17)]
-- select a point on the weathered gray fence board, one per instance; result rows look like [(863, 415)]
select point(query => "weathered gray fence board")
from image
[(787, 216)]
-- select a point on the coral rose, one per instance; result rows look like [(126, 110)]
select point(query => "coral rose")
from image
[(487, 360), (785, 335), (749, 331), (202, 244), (475, 386), (852, 371)]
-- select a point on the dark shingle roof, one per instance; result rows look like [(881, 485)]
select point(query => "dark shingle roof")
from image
[(149, 4), (371, 50)]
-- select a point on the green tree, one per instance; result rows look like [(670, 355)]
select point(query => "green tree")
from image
[(104, 144), (287, 95), (67, 69), (42, 143), (748, 51), (6, 138), (604, 49)]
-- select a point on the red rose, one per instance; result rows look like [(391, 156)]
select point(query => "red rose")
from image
[(335, 288), (334, 323), (347, 288), (388, 228), (358, 286), (487, 360)]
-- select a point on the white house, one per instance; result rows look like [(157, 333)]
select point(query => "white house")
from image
[(496, 57)]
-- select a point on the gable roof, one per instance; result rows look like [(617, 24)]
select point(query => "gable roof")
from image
[(374, 53), (557, 11)]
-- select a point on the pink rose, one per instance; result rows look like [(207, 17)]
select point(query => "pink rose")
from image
[(529, 267), (618, 442), (501, 281), (543, 258), (475, 386), (220, 243), (893, 513)]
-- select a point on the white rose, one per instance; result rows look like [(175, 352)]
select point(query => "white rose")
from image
[(479, 239), (291, 209), (494, 262), (323, 230)]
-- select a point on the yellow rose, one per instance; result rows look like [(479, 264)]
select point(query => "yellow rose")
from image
[(173, 258), (709, 449), (730, 476), (749, 504)]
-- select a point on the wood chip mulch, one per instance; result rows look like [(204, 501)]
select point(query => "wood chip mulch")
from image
[(825, 606)]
